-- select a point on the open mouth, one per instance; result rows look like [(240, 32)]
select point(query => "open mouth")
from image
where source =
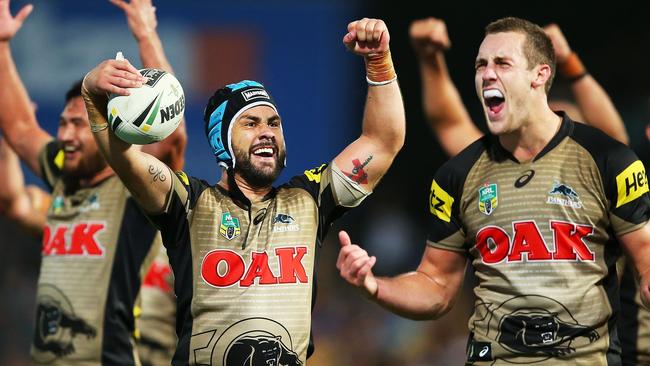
[(70, 150), (494, 100), (265, 151)]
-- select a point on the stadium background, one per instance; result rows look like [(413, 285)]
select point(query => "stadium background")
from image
[(294, 48)]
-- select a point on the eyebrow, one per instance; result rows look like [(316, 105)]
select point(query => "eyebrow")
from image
[(258, 119)]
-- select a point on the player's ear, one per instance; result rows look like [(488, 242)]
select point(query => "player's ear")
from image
[(542, 75)]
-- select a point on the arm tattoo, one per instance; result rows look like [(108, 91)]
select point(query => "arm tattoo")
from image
[(358, 174), (157, 173)]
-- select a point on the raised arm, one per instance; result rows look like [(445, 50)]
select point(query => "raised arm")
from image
[(426, 293), (141, 17), (443, 106), (367, 159), (594, 102), (23, 205), (637, 247), (17, 118), (147, 178)]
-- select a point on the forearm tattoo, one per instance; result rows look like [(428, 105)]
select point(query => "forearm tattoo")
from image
[(358, 174), (157, 173)]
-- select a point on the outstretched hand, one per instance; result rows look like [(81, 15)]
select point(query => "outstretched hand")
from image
[(113, 77), (367, 37), (10, 25), (355, 266), (140, 15)]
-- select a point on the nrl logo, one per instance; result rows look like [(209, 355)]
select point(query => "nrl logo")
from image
[(488, 199), (229, 228)]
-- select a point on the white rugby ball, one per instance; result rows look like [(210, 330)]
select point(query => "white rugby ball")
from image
[(152, 111)]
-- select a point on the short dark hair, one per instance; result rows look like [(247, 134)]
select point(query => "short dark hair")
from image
[(538, 47), (74, 91)]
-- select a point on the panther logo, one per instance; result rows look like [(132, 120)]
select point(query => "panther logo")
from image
[(541, 332), (534, 327), (261, 350), (57, 325), (249, 342), (563, 189)]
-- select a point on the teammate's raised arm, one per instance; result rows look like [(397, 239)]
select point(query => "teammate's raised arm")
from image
[(141, 17), (17, 117), (367, 159), (24, 205), (593, 101), (147, 178), (142, 21), (442, 104)]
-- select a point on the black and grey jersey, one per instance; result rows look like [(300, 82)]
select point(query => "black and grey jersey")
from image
[(94, 244), (541, 237), (244, 272)]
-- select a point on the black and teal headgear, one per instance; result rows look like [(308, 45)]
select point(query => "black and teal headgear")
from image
[(223, 108)]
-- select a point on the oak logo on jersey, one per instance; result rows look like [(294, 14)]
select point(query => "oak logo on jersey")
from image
[(249, 342), (631, 184), (284, 223), (488, 198), (229, 228), (563, 195), (440, 202), (57, 326), (527, 243), (160, 276), (79, 239), (535, 327), (224, 268)]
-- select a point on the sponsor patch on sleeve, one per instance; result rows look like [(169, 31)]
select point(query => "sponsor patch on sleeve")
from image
[(631, 183), (58, 159), (183, 177), (314, 174), (440, 202)]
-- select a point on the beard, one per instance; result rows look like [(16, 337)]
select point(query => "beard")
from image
[(86, 167), (259, 176)]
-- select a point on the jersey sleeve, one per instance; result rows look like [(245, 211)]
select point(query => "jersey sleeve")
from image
[(334, 193), (626, 187), (445, 228), (173, 221), (51, 161)]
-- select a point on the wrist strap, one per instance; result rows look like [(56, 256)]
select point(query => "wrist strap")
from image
[(380, 69)]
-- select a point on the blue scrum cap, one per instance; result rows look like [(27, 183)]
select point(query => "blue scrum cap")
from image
[(223, 108)]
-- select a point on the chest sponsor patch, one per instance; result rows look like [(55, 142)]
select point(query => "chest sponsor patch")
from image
[(80, 239), (224, 268), (631, 184)]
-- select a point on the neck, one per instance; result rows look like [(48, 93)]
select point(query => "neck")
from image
[(254, 194), (95, 179), (534, 133)]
